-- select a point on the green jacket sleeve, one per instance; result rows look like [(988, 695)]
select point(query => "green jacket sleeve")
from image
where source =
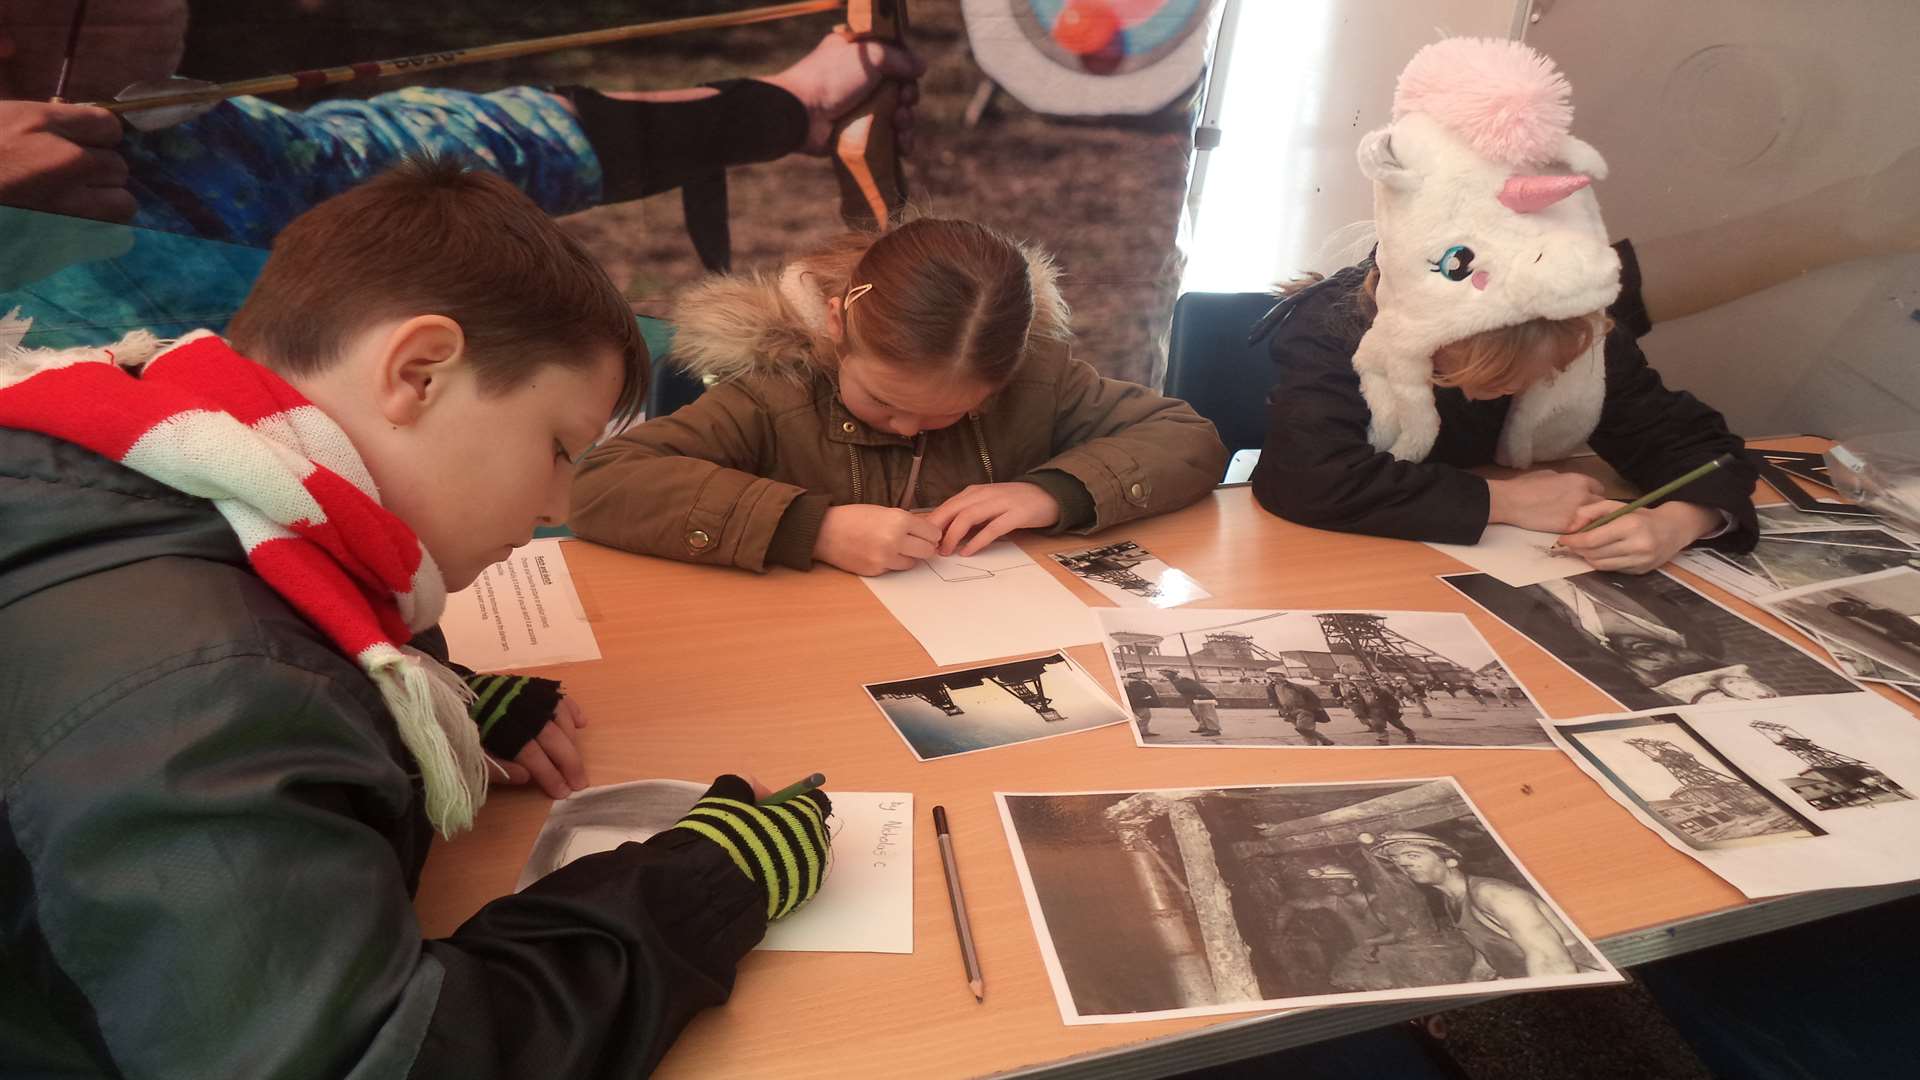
[(685, 486), (1136, 452)]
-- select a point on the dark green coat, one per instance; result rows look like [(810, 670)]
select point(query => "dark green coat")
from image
[(210, 834)]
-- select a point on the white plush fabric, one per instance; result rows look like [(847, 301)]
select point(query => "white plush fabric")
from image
[(1434, 191)]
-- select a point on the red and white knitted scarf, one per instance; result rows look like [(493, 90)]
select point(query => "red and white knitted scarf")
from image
[(204, 420)]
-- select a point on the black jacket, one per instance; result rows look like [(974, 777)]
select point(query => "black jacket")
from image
[(210, 834), (1318, 469)]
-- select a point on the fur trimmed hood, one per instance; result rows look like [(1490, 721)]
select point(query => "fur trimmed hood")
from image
[(731, 326)]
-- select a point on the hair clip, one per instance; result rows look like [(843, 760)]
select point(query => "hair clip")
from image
[(857, 292)]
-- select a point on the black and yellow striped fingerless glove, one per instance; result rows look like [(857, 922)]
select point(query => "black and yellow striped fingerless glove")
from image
[(783, 848), (510, 710)]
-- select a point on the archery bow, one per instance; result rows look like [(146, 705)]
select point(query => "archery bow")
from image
[(866, 157)]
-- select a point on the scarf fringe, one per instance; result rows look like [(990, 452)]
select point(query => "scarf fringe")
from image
[(429, 706), (18, 363)]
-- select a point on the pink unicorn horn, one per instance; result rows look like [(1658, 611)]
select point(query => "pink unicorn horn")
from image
[(1526, 194)]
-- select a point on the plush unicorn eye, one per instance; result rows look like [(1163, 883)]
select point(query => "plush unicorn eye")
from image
[(1456, 264)]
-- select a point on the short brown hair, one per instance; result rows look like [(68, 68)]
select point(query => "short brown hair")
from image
[(945, 294), (435, 237)]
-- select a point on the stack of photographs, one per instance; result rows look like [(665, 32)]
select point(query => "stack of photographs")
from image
[(1804, 564)]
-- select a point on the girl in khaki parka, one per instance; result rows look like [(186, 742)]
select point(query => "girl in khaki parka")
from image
[(925, 370)]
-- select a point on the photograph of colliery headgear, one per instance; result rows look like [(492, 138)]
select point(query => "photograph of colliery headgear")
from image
[(1151, 904), (978, 708), (1325, 679), (1832, 780), (1648, 641), (1706, 801)]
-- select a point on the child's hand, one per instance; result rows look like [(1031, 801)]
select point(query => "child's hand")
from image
[(1542, 500), (871, 540), (552, 757), (788, 860), (990, 511), (1641, 540)]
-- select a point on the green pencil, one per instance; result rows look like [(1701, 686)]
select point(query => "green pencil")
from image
[(1660, 492), (795, 789)]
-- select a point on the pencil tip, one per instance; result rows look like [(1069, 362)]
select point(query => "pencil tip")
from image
[(979, 989)]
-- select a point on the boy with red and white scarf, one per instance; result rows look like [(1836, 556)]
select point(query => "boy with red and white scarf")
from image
[(229, 726)]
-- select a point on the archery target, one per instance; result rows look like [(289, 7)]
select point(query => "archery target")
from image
[(1091, 57)]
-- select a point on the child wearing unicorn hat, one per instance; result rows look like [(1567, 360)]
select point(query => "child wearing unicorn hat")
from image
[(1492, 324)]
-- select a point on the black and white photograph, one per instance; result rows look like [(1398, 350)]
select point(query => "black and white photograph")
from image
[(1831, 779), (1780, 519), (1793, 563), (1876, 615), (1131, 576), (1775, 796), (1868, 536), (997, 704), (1323, 679), (1674, 775), (1201, 901), (1648, 641), (1802, 499)]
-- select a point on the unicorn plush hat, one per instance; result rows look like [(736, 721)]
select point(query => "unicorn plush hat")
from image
[(1486, 220)]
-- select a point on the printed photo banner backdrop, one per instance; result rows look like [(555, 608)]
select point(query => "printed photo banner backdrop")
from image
[(1154, 904), (989, 144), (1774, 796)]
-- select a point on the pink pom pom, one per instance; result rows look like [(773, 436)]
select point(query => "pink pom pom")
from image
[(1505, 99)]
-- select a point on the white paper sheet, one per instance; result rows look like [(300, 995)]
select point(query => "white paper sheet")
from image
[(982, 607), (1835, 825), (865, 905), (1516, 556), (522, 612)]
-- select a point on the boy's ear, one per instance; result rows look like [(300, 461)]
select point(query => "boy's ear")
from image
[(412, 367)]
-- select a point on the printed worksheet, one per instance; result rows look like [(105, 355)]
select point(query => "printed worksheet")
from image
[(522, 612)]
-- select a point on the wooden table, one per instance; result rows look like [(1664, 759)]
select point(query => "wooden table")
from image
[(709, 671)]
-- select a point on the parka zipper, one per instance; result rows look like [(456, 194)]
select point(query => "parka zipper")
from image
[(853, 463), (980, 444)]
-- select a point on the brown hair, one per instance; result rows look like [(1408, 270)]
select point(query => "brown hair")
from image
[(1490, 358), (946, 295), (434, 237)]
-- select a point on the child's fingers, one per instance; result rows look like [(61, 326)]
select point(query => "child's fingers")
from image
[(965, 522), (991, 531), (916, 547), (923, 527), (564, 755), (1612, 532), (515, 775), (543, 773), (1592, 511)]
